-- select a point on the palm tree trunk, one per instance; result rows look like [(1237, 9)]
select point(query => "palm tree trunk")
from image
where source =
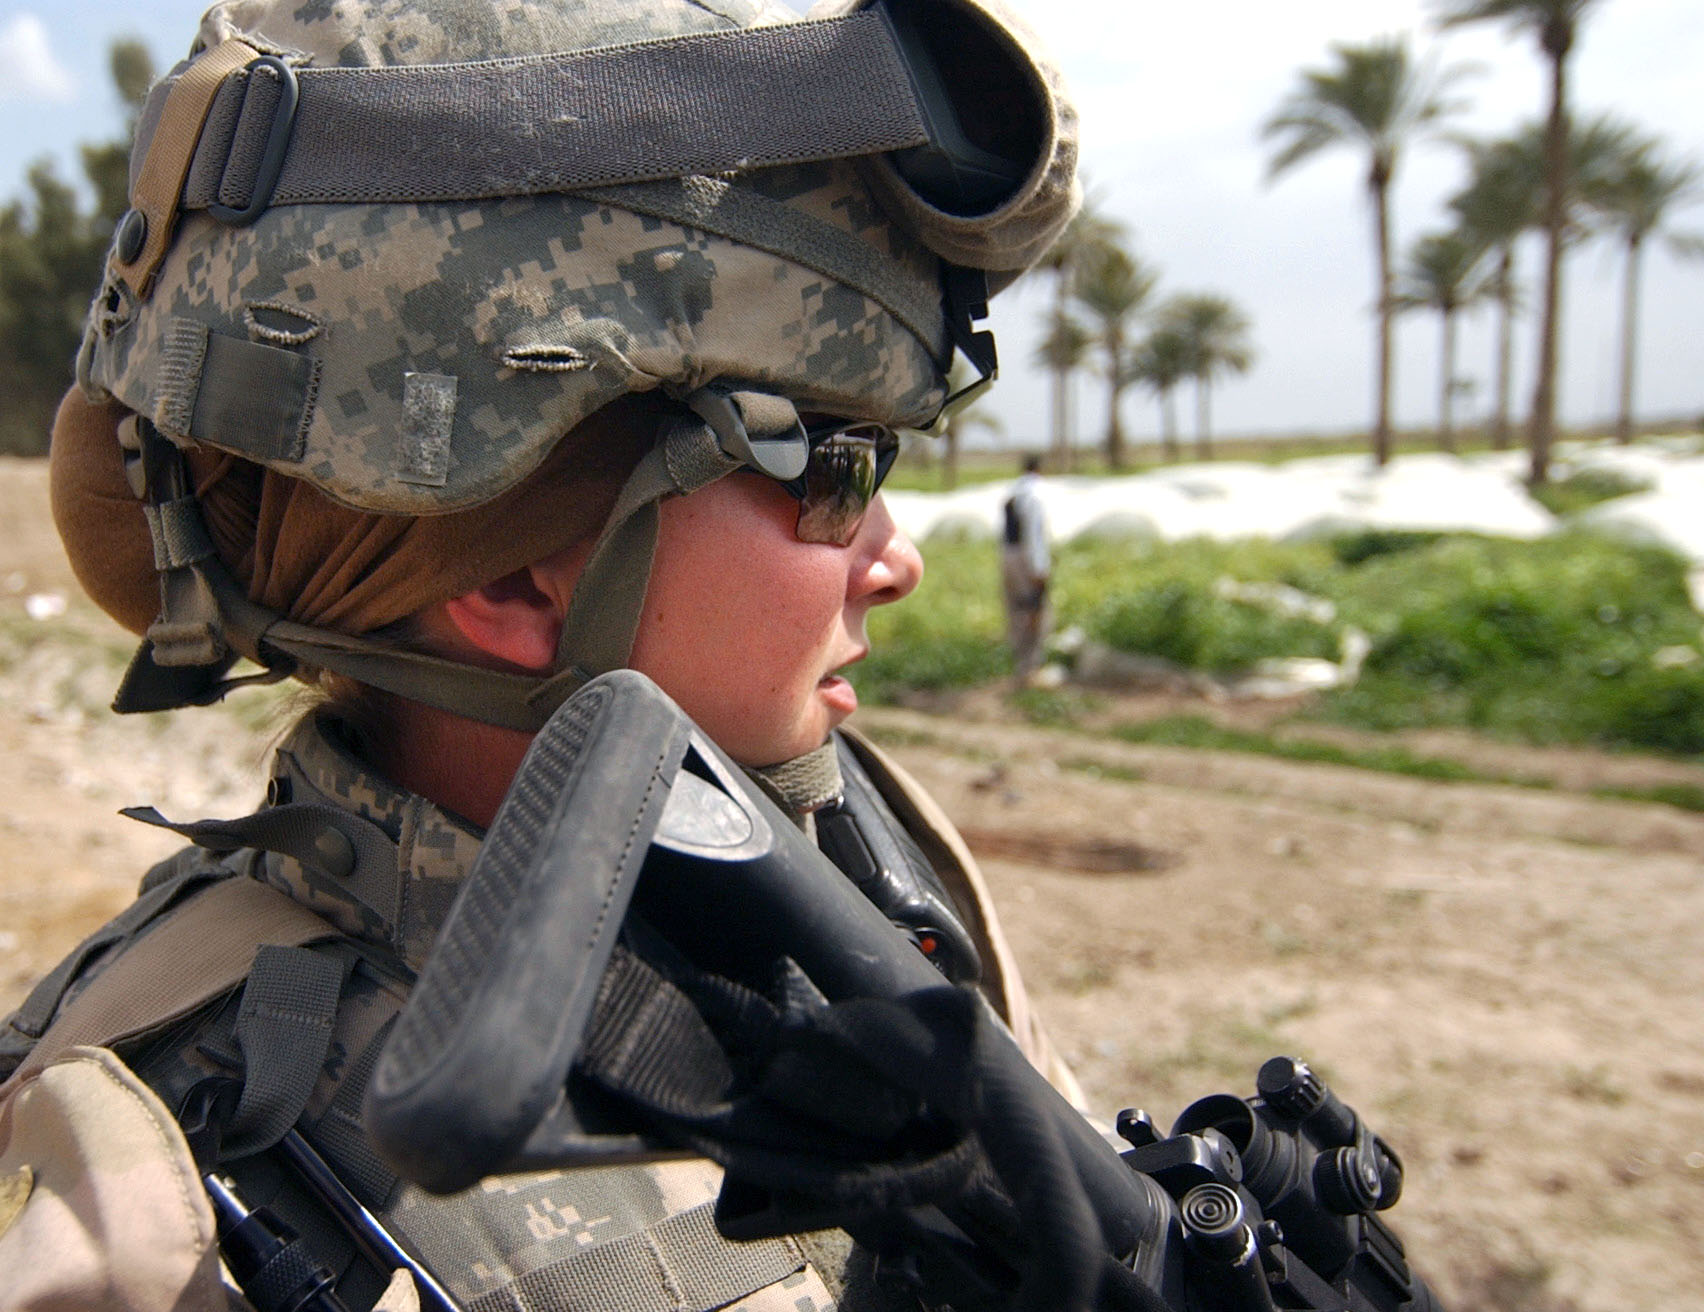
[(1061, 419), (1446, 384), (1168, 425), (1061, 382), (1505, 345), (1629, 334), (1380, 187), (1541, 427), (1203, 419), (1114, 429)]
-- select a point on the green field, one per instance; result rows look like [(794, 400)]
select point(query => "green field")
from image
[(1576, 638)]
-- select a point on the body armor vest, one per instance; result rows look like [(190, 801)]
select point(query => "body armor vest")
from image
[(304, 1029)]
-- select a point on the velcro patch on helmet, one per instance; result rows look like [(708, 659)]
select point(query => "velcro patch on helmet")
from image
[(248, 397), (428, 414)]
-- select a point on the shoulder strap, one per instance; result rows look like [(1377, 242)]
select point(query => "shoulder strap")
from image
[(166, 884), (945, 849), (204, 949), (865, 839)]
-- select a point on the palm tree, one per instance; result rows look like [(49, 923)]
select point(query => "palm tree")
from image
[(1444, 273), (1634, 197), (1088, 231), (1215, 335), (1110, 284), (960, 419), (1160, 362), (1062, 351), (1498, 204), (1375, 97), (1556, 24)]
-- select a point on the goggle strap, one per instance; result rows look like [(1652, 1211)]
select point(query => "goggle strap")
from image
[(699, 103)]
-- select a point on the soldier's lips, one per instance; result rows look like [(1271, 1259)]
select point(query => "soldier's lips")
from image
[(837, 694)]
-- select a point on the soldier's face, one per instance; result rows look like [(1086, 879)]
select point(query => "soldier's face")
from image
[(749, 628)]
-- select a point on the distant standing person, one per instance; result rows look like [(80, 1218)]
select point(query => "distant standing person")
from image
[(1026, 564)]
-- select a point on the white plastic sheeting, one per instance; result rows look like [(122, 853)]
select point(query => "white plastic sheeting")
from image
[(1310, 497)]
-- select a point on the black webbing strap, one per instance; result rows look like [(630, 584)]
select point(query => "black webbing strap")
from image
[(702, 103), (284, 1030), (360, 856)]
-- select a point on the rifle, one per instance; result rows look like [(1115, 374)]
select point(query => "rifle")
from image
[(638, 896)]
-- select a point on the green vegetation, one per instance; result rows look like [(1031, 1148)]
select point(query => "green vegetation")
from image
[(1550, 641), (1101, 769), (1586, 488), (1576, 638), (950, 634), (1683, 797), (1064, 708), (1196, 731)]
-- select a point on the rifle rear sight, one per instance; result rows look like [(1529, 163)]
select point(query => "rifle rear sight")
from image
[(1278, 1194)]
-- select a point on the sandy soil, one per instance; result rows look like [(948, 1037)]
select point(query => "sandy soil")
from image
[(1506, 982)]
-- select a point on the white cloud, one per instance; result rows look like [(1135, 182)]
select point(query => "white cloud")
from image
[(28, 68)]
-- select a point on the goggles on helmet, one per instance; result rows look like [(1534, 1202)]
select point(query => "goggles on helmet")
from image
[(843, 471)]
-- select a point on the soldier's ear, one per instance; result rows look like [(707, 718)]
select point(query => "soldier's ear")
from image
[(516, 619)]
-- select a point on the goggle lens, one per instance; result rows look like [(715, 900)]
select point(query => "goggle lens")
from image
[(844, 471)]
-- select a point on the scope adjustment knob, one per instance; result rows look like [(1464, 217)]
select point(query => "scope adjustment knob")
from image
[(1347, 1181), (1290, 1088)]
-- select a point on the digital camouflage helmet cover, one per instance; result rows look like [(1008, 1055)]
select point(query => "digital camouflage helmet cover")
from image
[(397, 251)]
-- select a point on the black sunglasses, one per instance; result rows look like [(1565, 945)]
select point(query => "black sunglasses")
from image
[(844, 470)]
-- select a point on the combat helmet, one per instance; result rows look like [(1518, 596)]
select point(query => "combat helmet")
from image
[(397, 250)]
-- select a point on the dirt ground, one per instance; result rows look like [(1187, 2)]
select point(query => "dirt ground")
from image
[(1506, 982)]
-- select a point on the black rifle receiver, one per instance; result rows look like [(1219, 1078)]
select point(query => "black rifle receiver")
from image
[(623, 807)]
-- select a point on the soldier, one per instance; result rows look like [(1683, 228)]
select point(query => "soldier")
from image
[(450, 355), (1026, 567)]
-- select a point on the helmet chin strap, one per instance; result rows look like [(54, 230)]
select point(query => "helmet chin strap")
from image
[(603, 617), (207, 621), (732, 430)]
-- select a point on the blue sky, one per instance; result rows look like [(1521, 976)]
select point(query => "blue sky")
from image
[(1172, 97)]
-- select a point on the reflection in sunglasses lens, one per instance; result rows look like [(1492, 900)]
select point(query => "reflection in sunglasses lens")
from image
[(840, 482)]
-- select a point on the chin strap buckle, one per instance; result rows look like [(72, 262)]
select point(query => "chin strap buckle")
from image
[(187, 653)]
